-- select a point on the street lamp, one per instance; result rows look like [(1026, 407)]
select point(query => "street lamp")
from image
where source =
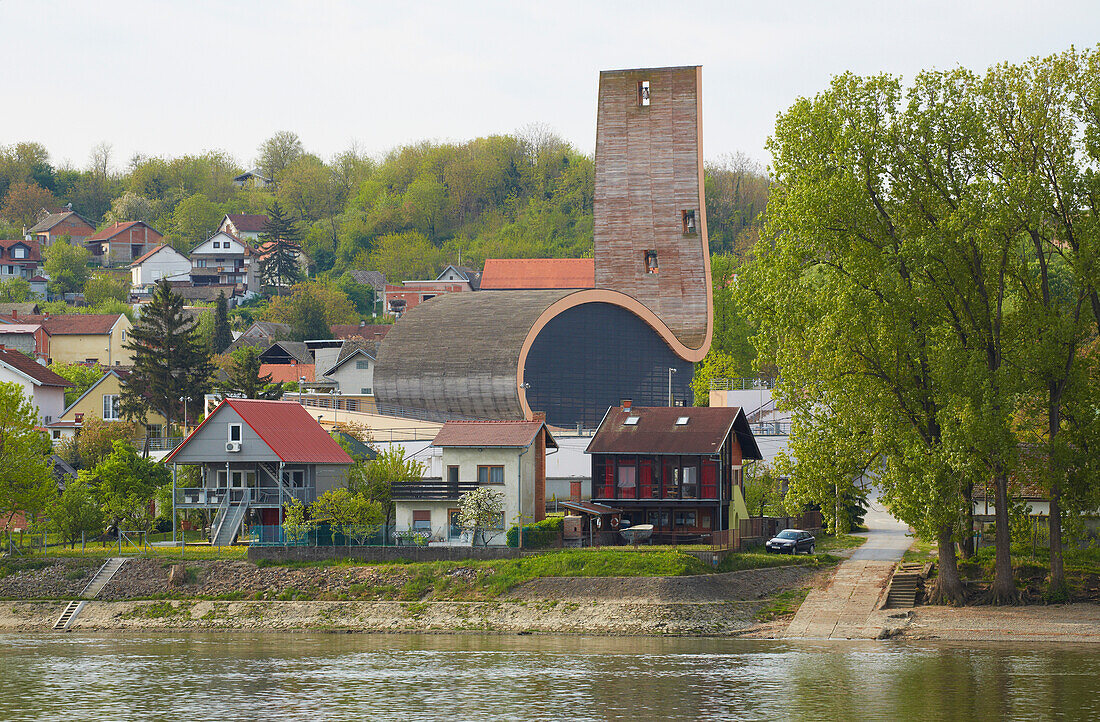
[(183, 400), (301, 385), (670, 372)]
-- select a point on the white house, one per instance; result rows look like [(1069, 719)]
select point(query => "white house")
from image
[(224, 260), (246, 226), (161, 262), (507, 456), (43, 387), (353, 374)]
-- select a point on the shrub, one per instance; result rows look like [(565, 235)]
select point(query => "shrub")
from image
[(539, 535)]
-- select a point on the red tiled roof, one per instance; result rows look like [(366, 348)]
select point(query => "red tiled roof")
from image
[(517, 273), (246, 223), (287, 373), (73, 324), (36, 371), (33, 254), (656, 431), (286, 427), (516, 434), (111, 231)]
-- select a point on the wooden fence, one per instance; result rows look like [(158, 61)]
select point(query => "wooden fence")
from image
[(762, 528)]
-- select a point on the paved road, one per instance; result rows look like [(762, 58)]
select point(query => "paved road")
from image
[(842, 610)]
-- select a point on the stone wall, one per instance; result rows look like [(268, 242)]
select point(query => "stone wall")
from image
[(383, 554)]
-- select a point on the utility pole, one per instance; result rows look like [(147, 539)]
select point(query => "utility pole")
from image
[(670, 372)]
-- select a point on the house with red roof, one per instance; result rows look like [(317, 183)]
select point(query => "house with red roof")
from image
[(19, 258), (508, 457), (246, 226), (44, 388), (122, 242), (161, 261), (255, 457), (61, 223)]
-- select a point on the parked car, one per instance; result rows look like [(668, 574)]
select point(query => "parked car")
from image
[(791, 541)]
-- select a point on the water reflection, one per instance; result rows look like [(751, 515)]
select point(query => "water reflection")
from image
[(234, 676)]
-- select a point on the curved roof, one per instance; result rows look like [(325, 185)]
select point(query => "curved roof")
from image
[(464, 353)]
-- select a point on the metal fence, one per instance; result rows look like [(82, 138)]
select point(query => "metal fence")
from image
[(741, 384), (763, 527), (322, 536)]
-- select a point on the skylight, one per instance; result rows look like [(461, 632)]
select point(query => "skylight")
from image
[(682, 421), (631, 421)]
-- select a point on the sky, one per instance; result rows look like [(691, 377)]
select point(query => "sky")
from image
[(170, 78)]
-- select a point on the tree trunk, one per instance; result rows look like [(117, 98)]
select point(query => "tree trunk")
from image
[(1054, 424), (966, 545), (1004, 584), (948, 588)]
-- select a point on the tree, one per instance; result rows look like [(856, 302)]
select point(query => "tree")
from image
[(26, 485), (66, 265), (192, 219), (171, 362), (81, 376), (762, 493), (76, 512), (374, 479), (353, 515), (126, 484), (245, 379), (16, 290), (481, 510), (132, 207), (25, 201), (279, 267), (715, 365), (223, 336), (296, 527), (103, 286), (299, 309), (95, 441), (278, 152)]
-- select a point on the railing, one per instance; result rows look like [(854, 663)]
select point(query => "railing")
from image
[(742, 384), (161, 443), (426, 489), (771, 428), (205, 498)]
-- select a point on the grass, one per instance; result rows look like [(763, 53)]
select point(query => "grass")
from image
[(921, 551), (782, 605), (172, 553), (761, 560), (830, 542)]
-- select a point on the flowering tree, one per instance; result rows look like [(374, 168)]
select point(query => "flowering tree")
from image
[(481, 511)]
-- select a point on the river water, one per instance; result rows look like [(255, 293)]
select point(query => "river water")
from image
[(241, 676)]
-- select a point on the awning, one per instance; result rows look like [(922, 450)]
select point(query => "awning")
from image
[(589, 507)]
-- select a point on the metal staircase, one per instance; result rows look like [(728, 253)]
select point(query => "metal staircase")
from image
[(228, 521), (105, 574)]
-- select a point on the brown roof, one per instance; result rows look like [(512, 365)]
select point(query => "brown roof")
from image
[(72, 324), (523, 273), (369, 331), (42, 375), (53, 219), (111, 231), (32, 250), (247, 223), (656, 431), (516, 434), (287, 373)]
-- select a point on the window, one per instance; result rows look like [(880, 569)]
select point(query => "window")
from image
[(123, 335), (110, 407), (234, 432), (217, 244), (452, 475), (19, 252), (422, 520), (631, 421), (685, 519), (57, 433), (682, 421), (651, 262), (643, 93), (628, 480), (366, 390), (295, 479), (221, 480), (242, 479), (688, 219), (362, 365), (455, 529), (155, 430), (200, 263), (690, 482), (490, 474)]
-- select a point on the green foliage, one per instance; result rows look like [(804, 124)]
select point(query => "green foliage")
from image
[(353, 515), (296, 527), (96, 441), (279, 268), (223, 335), (191, 220), (81, 376), (539, 535), (311, 309), (66, 265), (26, 484), (763, 496), (126, 484), (16, 290), (77, 512), (103, 286), (170, 360), (245, 379), (481, 511)]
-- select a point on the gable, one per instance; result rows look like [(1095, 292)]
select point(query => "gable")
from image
[(206, 444), (234, 246)]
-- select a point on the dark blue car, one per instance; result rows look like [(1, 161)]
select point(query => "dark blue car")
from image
[(791, 541)]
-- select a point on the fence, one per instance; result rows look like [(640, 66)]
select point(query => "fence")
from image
[(321, 536), (759, 528), (742, 384)]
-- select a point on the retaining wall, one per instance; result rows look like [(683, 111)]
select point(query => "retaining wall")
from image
[(384, 554)]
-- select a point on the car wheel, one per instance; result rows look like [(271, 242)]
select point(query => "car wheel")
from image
[(811, 549)]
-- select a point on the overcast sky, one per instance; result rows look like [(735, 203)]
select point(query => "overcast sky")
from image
[(168, 78)]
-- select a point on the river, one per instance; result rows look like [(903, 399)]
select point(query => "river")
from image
[(240, 676)]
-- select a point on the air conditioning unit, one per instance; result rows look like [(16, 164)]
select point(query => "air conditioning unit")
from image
[(232, 446)]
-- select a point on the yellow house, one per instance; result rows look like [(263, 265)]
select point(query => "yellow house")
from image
[(102, 402), (88, 338)]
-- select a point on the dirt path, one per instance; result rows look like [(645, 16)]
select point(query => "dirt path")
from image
[(844, 608)]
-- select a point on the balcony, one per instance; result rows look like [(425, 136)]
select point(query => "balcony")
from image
[(431, 489), (261, 496)]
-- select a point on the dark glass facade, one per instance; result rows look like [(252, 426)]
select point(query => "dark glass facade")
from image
[(591, 357)]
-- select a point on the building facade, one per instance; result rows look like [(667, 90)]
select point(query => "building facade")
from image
[(122, 243)]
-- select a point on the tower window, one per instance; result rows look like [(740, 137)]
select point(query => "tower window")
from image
[(651, 262), (688, 218), (643, 92)]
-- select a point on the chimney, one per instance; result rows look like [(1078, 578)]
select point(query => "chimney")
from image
[(538, 416), (626, 404)]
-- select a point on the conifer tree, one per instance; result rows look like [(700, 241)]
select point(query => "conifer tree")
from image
[(245, 378), (280, 267), (171, 361), (223, 337)]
